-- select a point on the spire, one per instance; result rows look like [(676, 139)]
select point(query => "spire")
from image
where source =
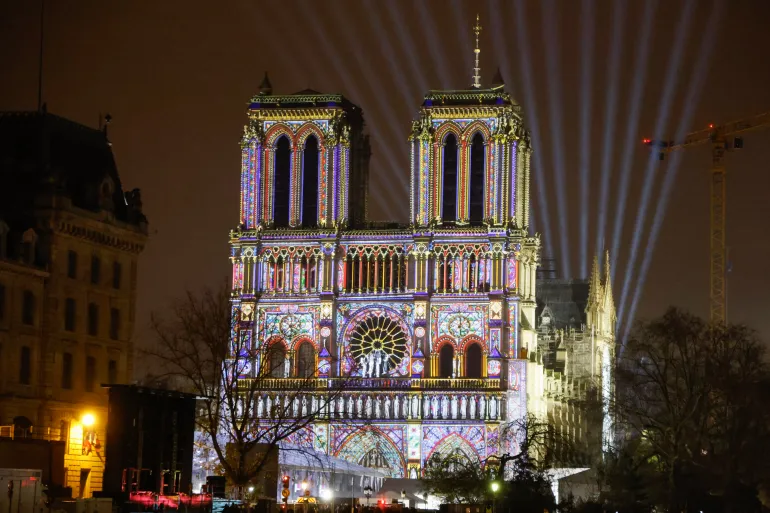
[(594, 283), (266, 87), (609, 299), (477, 51), (498, 81)]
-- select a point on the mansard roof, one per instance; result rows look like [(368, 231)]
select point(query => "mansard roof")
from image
[(41, 151)]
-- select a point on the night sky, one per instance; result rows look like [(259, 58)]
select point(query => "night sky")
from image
[(176, 76)]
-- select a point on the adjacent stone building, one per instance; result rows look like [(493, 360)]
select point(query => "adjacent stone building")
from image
[(70, 238)]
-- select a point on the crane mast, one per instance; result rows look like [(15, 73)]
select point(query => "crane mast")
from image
[(719, 139)]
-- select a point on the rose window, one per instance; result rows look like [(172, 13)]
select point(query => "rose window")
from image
[(378, 345)]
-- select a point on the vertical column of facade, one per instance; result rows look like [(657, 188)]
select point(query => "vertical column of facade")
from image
[(521, 172), (326, 186), (513, 178), (526, 203), (295, 184), (490, 179)]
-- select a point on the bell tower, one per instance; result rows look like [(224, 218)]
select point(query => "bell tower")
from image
[(304, 161), (470, 157)]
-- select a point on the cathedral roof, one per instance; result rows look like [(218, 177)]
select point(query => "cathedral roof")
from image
[(301, 99), (564, 302), (468, 97)]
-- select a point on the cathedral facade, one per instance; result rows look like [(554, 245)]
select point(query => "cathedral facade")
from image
[(427, 328)]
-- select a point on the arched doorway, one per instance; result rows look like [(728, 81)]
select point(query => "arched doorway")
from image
[(473, 361), (446, 356)]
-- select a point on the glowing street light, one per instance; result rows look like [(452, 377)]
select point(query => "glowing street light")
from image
[(495, 486), (304, 485), (88, 420)]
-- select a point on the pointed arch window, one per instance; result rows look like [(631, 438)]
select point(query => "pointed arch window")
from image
[(281, 182), (473, 361), (446, 356), (305, 360), (477, 180), (449, 198), (277, 358), (310, 183)]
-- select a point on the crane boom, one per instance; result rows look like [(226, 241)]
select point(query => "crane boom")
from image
[(717, 136)]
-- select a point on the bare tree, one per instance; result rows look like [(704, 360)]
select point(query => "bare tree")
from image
[(247, 408), (695, 397), (458, 478)]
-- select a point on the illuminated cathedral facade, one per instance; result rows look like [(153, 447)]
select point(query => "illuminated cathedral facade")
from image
[(430, 325)]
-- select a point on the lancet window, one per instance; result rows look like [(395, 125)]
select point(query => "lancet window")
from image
[(282, 182), (305, 360), (446, 357), (379, 270), (291, 273), (473, 361), (477, 179), (277, 358), (461, 270), (450, 172), (310, 157)]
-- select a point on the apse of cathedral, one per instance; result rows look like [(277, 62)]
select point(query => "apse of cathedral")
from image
[(428, 328)]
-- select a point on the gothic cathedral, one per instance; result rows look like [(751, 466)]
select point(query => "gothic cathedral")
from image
[(431, 326)]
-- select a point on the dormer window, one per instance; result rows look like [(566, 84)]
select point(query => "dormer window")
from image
[(106, 190)]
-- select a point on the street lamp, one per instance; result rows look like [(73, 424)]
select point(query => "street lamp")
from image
[(495, 486), (328, 495), (88, 420), (368, 492)]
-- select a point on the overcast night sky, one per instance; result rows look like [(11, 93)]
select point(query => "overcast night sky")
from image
[(176, 76)]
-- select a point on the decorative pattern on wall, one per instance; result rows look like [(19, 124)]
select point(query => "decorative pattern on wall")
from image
[(364, 444), (434, 439), (289, 322), (459, 320)]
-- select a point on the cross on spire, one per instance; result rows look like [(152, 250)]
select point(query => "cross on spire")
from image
[(477, 51)]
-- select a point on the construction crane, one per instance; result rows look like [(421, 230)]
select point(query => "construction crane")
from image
[(722, 138)]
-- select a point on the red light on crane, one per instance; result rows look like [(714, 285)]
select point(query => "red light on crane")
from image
[(711, 125)]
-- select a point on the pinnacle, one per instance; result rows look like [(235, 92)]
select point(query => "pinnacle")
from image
[(265, 87)]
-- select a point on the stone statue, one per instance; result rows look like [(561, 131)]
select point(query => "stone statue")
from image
[(444, 407), (415, 407), (463, 406), (386, 411), (376, 401), (482, 407), (426, 406), (473, 407), (454, 407), (303, 411), (260, 406), (359, 408)]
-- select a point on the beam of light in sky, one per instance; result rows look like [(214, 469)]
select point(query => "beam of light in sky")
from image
[(664, 110), (463, 27), (550, 37), (530, 120), (631, 143), (697, 80), (375, 86), (318, 71), (607, 142), (586, 97), (407, 46), (437, 56), (332, 57), (402, 86)]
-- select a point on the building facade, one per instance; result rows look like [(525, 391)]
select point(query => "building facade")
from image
[(70, 238), (429, 329), (423, 322)]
